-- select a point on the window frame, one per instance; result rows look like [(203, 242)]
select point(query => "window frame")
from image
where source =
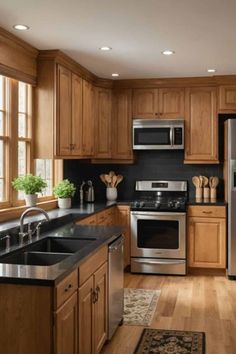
[(11, 139)]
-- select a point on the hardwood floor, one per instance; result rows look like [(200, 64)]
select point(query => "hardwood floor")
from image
[(195, 302)]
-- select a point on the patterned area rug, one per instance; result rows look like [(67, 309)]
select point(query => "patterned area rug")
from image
[(159, 341), (139, 306)]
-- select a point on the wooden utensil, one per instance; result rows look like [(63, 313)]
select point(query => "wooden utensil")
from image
[(205, 181), (215, 182), (210, 181), (195, 181), (112, 173), (102, 178), (108, 180), (114, 180), (119, 179)]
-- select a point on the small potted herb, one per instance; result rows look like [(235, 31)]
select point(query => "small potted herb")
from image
[(30, 185), (64, 191)]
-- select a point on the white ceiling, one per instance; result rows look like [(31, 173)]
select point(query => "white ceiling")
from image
[(201, 32)]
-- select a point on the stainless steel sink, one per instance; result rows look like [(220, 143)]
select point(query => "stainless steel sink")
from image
[(34, 258), (60, 245)]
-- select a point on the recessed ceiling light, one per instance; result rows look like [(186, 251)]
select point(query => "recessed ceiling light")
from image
[(211, 70), (105, 48), (168, 52), (21, 27), (115, 74)]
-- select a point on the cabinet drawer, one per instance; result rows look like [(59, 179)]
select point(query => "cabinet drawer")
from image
[(91, 220), (92, 264), (207, 211), (66, 288)]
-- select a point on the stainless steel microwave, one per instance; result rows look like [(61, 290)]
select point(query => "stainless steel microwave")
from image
[(156, 134)]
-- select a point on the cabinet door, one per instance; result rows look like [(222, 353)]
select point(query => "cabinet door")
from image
[(77, 112), (88, 119), (123, 218), (171, 103), (201, 126), (122, 125), (100, 308), (63, 102), (86, 317), (207, 242), (145, 103), (227, 98), (66, 327), (103, 123)]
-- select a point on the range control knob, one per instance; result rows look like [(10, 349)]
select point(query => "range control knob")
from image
[(157, 205), (142, 204)]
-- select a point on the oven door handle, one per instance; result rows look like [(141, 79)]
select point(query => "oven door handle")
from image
[(180, 261)]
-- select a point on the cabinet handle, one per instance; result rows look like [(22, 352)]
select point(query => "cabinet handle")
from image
[(68, 287), (94, 296), (96, 293), (207, 212)]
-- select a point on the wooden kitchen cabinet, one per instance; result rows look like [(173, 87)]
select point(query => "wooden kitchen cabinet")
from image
[(206, 238), (158, 103), (66, 327), (88, 119), (201, 126), (92, 298), (123, 218), (122, 125), (227, 98), (103, 106), (64, 110)]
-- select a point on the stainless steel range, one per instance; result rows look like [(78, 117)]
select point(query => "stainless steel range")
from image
[(158, 227)]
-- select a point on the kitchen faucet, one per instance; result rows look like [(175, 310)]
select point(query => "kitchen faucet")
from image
[(22, 234)]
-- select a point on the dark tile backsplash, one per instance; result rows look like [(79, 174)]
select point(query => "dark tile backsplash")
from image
[(149, 165)]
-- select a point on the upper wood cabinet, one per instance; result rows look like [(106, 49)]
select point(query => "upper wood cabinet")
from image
[(227, 98), (64, 107), (158, 103), (201, 126), (103, 106), (122, 125), (88, 119)]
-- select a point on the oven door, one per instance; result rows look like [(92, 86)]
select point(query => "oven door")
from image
[(158, 235)]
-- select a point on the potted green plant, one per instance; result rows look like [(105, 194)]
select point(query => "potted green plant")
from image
[(64, 191), (30, 185)]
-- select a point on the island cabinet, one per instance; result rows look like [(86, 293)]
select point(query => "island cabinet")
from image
[(93, 300), (227, 99), (207, 237), (64, 113), (158, 103), (201, 126)]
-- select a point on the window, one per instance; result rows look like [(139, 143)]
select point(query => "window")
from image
[(16, 140)]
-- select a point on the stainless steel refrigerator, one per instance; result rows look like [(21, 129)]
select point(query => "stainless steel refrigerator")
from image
[(230, 191)]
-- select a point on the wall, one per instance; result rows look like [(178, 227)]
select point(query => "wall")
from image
[(149, 165)]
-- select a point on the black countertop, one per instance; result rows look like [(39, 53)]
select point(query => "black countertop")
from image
[(61, 225), (218, 202)]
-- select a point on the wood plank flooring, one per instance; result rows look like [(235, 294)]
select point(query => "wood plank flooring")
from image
[(203, 303)]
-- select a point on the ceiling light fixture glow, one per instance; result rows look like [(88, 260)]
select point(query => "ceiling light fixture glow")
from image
[(21, 27), (115, 75), (105, 48), (168, 52), (211, 70)]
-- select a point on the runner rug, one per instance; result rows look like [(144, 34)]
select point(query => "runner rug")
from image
[(159, 341)]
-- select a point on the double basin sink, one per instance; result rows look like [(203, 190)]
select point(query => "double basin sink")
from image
[(47, 251)]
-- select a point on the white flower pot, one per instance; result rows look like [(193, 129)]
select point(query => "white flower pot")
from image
[(64, 203), (111, 193), (30, 199)]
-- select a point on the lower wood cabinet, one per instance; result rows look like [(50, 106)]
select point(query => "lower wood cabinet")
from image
[(66, 328), (92, 300), (206, 238), (123, 218)]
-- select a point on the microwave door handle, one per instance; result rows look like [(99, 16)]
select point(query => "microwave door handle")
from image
[(171, 136)]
